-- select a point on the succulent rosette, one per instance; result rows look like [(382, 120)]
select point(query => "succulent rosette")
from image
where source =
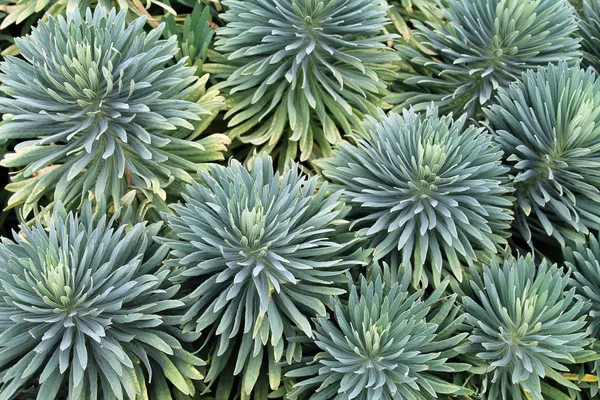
[(88, 312)]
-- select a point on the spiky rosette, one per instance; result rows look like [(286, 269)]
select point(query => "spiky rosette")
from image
[(481, 46), (301, 69), (383, 344), (589, 29), (260, 254), (425, 190), (548, 125), (525, 325), (85, 311), (96, 110)]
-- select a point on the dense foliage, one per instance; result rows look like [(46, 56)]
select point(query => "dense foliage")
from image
[(299, 199), (21, 10), (401, 12)]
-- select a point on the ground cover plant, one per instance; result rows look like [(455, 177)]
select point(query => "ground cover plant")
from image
[(299, 199)]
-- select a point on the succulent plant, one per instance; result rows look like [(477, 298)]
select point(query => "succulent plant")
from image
[(481, 46), (525, 325), (584, 262), (87, 311), (384, 343), (95, 110), (425, 190), (589, 29), (548, 125), (300, 70), (259, 255)]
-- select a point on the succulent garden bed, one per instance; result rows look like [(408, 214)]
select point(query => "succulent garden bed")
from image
[(299, 199)]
